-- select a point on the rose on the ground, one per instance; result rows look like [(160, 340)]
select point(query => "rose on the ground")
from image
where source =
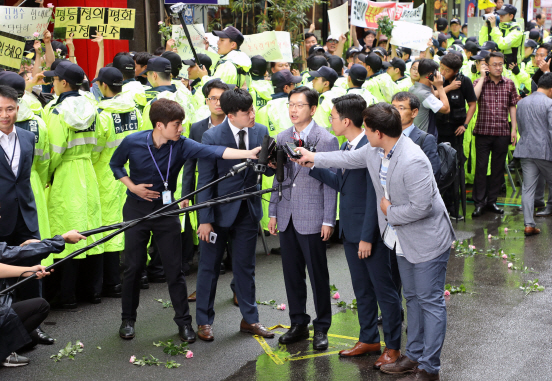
[(510, 264), (336, 295), (504, 256), (505, 230), (132, 359), (189, 354), (447, 293)]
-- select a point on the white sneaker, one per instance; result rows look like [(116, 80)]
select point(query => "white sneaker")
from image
[(14, 360)]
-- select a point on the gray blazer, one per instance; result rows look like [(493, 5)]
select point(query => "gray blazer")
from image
[(309, 201), (417, 213), (534, 119)]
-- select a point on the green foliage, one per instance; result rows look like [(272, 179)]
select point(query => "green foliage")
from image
[(531, 286), (166, 304), (385, 26), (171, 349), (69, 351), (271, 303), (333, 288), (455, 289), (154, 361)]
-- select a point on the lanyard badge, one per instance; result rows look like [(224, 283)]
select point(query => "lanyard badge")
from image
[(166, 194)]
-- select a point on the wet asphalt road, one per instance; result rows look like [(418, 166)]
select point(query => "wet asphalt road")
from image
[(494, 332)]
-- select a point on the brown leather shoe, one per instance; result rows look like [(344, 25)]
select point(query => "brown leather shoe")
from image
[(361, 349), (192, 297), (205, 332), (236, 300), (389, 356), (420, 375), (402, 365), (256, 329), (529, 230)]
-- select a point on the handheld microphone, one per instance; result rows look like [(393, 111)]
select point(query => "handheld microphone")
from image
[(240, 167), (260, 167), (280, 161)]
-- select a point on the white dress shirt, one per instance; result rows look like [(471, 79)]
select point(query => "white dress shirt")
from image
[(12, 149), (356, 140), (235, 131)]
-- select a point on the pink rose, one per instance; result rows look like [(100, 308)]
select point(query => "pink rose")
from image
[(58, 50), (36, 34), (80, 344), (489, 236), (336, 295), (50, 5), (510, 264), (536, 284), (282, 306), (447, 293), (189, 354), (505, 230), (160, 23), (504, 256), (132, 359)]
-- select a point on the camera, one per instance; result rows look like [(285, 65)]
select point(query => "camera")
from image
[(486, 17)]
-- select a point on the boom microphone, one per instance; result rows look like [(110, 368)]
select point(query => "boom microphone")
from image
[(260, 167), (280, 162)]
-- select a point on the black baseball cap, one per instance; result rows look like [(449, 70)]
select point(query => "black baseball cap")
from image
[(284, 77), (455, 21), (175, 60), (534, 34), (471, 47), (507, 9), (481, 55), (204, 59), (124, 62), (13, 80), (374, 61), (406, 50), (158, 64), (441, 38), (472, 39), (326, 72), (379, 51), (489, 45), (351, 51), (441, 23), (397, 63), (258, 66), (316, 49), (68, 71), (315, 62), (530, 44), (358, 73), (110, 75), (231, 33), (336, 63)]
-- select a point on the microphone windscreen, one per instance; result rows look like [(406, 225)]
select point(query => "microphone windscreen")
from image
[(263, 154), (280, 162)]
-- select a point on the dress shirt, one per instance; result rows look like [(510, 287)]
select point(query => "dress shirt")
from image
[(494, 104), (355, 141), (408, 130), (12, 148), (303, 134), (390, 235), (235, 131)]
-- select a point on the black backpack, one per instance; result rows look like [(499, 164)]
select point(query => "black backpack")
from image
[(449, 163)]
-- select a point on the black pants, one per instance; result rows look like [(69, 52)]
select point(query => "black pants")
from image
[(31, 312), (395, 274), (111, 276), (166, 231), (77, 278), (487, 192), (21, 233)]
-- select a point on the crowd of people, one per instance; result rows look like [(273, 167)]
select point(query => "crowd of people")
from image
[(80, 153)]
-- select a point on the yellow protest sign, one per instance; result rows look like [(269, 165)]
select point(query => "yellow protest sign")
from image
[(85, 22), (11, 51)]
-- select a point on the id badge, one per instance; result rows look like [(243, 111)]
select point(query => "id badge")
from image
[(166, 197)]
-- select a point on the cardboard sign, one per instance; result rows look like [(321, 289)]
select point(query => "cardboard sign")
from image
[(413, 15), (85, 22), (284, 43), (410, 35), (339, 19), (264, 44), (366, 13), (196, 34), (24, 21), (12, 48)]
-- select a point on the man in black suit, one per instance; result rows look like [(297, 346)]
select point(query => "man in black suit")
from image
[(18, 216), (212, 91)]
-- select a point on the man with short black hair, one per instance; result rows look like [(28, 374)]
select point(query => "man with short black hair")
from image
[(355, 80), (141, 61), (441, 25), (378, 83), (194, 75), (260, 88), (126, 65), (323, 83), (455, 32), (507, 35), (310, 40), (396, 69)]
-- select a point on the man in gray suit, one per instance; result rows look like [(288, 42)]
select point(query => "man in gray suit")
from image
[(534, 148), (305, 217), (413, 220)]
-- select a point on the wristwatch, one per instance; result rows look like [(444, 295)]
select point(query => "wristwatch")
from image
[(465, 126)]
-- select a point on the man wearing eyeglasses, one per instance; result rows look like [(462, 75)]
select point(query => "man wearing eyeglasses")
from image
[(305, 216), (497, 98)]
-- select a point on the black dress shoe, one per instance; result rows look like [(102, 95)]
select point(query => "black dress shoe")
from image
[(144, 283), (297, 332), (320, 341), (222, 269), (63, 306), (187, 333), (545, 212), (127, 330), (157, 279), (478, 212), (112, 291), (275, 251), (42, 337), (96, 299), (495, 209)]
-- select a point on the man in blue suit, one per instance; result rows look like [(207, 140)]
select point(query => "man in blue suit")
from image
[(367, 256), (237, 220)]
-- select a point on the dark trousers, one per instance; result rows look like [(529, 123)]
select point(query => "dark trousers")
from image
[(373, 284), (487, 193), (166, 231), (21, 233), (78, 277), (300, 250), (31, 312), (111, 263), (243, 235), (451, 194), (395, 274)]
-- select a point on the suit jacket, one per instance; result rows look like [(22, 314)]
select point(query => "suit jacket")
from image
[(188, 178), (534, 116), (429, 148), (16, 191), (210, 169), (417, 212), (358, 216), (309, 201)]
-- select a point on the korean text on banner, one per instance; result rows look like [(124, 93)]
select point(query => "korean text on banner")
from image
[(24, 21), (196, 34), (410, 35), (85, 22), (264, 44), (413, 15), (11, 51), (339, 19), (284, 42)]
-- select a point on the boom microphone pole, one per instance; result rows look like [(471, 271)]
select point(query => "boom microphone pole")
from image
[(178, 8)]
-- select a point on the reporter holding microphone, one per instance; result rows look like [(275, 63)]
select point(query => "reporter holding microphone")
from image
[(155, 158)]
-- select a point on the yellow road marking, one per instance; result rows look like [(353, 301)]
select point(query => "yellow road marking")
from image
[(268, 350), (312, 356)]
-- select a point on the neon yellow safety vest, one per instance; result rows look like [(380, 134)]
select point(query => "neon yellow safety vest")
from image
[(261, 91)]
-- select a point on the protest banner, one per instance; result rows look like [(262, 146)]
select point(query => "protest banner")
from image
[(284, 43), (196, 34), (412, 15), (264, 44), (12, 48), (339, 19), (366, 13), (24, 21), (85, 22), (410, 35)]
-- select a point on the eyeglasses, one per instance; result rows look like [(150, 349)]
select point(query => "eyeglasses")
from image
[(497, 64), (298, 105), (401, 108), (213, 99), (414, 69), (331, 118)]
